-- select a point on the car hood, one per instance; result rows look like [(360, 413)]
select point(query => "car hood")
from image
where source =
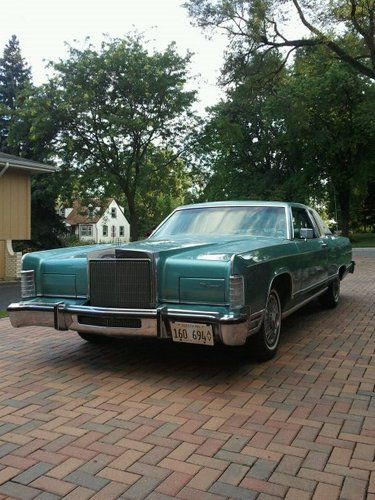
[(209, 248), (203, 248), (175, 259)]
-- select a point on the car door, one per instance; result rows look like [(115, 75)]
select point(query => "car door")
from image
[(332, 245), (313, 255)]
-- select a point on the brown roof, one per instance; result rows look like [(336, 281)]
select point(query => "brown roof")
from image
[(79, 214)]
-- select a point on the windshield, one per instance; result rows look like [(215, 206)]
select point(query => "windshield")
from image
[(248, 220)]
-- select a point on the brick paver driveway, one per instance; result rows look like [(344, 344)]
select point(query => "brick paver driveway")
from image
[(158, 420)]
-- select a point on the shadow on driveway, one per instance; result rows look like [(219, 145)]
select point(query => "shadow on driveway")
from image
[(145, 358), (9, 292)]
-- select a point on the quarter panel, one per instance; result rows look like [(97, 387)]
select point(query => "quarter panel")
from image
[(339, 253), (259, 268)]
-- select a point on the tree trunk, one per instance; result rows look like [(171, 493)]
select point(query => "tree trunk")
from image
[(133, 219), (343, 195)]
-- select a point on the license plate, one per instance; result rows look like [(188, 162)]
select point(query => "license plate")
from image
[(192, 333)]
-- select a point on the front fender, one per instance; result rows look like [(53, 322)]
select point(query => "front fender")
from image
[(259, 277)]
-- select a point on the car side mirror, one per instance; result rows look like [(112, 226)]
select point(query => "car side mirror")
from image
[(306, 233)]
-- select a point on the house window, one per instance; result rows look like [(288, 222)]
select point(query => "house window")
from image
[(105, 230), (86, 230), (113, 231), (113, 212), (122, 231)]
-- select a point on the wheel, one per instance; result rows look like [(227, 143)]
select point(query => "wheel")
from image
[(95, 339), (266, 340), (331, 297)]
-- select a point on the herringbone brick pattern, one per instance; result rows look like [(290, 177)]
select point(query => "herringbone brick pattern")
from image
[(156, 420)]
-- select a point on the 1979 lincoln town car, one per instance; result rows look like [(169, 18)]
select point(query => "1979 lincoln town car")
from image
[(210, 273)]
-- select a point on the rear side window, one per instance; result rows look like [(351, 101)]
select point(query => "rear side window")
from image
[(301, 219), (323, 228), (317, 228)]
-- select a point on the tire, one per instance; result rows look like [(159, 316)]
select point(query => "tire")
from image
[(266, 341), (331, 296), (95, 339)]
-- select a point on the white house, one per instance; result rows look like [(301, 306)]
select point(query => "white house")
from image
[(102, 224)]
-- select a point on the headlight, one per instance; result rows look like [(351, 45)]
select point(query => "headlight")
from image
[(236, 292), (27, 284)]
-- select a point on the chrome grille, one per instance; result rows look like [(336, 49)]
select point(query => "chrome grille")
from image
[(121, 283)]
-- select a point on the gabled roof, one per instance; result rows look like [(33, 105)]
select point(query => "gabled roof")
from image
[(31, 166), (79, 214)]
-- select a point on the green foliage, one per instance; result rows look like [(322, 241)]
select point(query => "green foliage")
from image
[(73, 241), (21, 110), (258, 26), (47, 228), (14, 78), (308, 134), (333, 109), (342, 28), (162, 189), (363, 240), (243, 149), (118, 119), (117, 106), (37, 123)]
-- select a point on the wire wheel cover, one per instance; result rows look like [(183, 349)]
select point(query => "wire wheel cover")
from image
[(336, 289), (272, 321)]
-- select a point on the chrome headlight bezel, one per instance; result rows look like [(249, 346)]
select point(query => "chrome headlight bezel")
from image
[(28, 284), (236, 291)]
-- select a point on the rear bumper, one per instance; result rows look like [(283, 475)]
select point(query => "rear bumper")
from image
[(228, 329), (350, 269)]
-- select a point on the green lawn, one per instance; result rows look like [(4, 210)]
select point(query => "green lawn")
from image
[(3, 314), (363, 240)]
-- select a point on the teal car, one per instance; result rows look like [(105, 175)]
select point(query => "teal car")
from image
[(222, 272)]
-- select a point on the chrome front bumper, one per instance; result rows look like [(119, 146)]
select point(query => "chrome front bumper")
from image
[(228, 329)]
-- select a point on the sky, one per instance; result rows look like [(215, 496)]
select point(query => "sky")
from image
[(43, 27)]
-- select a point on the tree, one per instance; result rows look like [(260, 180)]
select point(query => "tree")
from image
[(164, 185), (244, 150), (32, 132), (308, 135), (118, 106), (36, 124), (14, 78), (21, 134), (258, 26), (331, 115), (163, 188)]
